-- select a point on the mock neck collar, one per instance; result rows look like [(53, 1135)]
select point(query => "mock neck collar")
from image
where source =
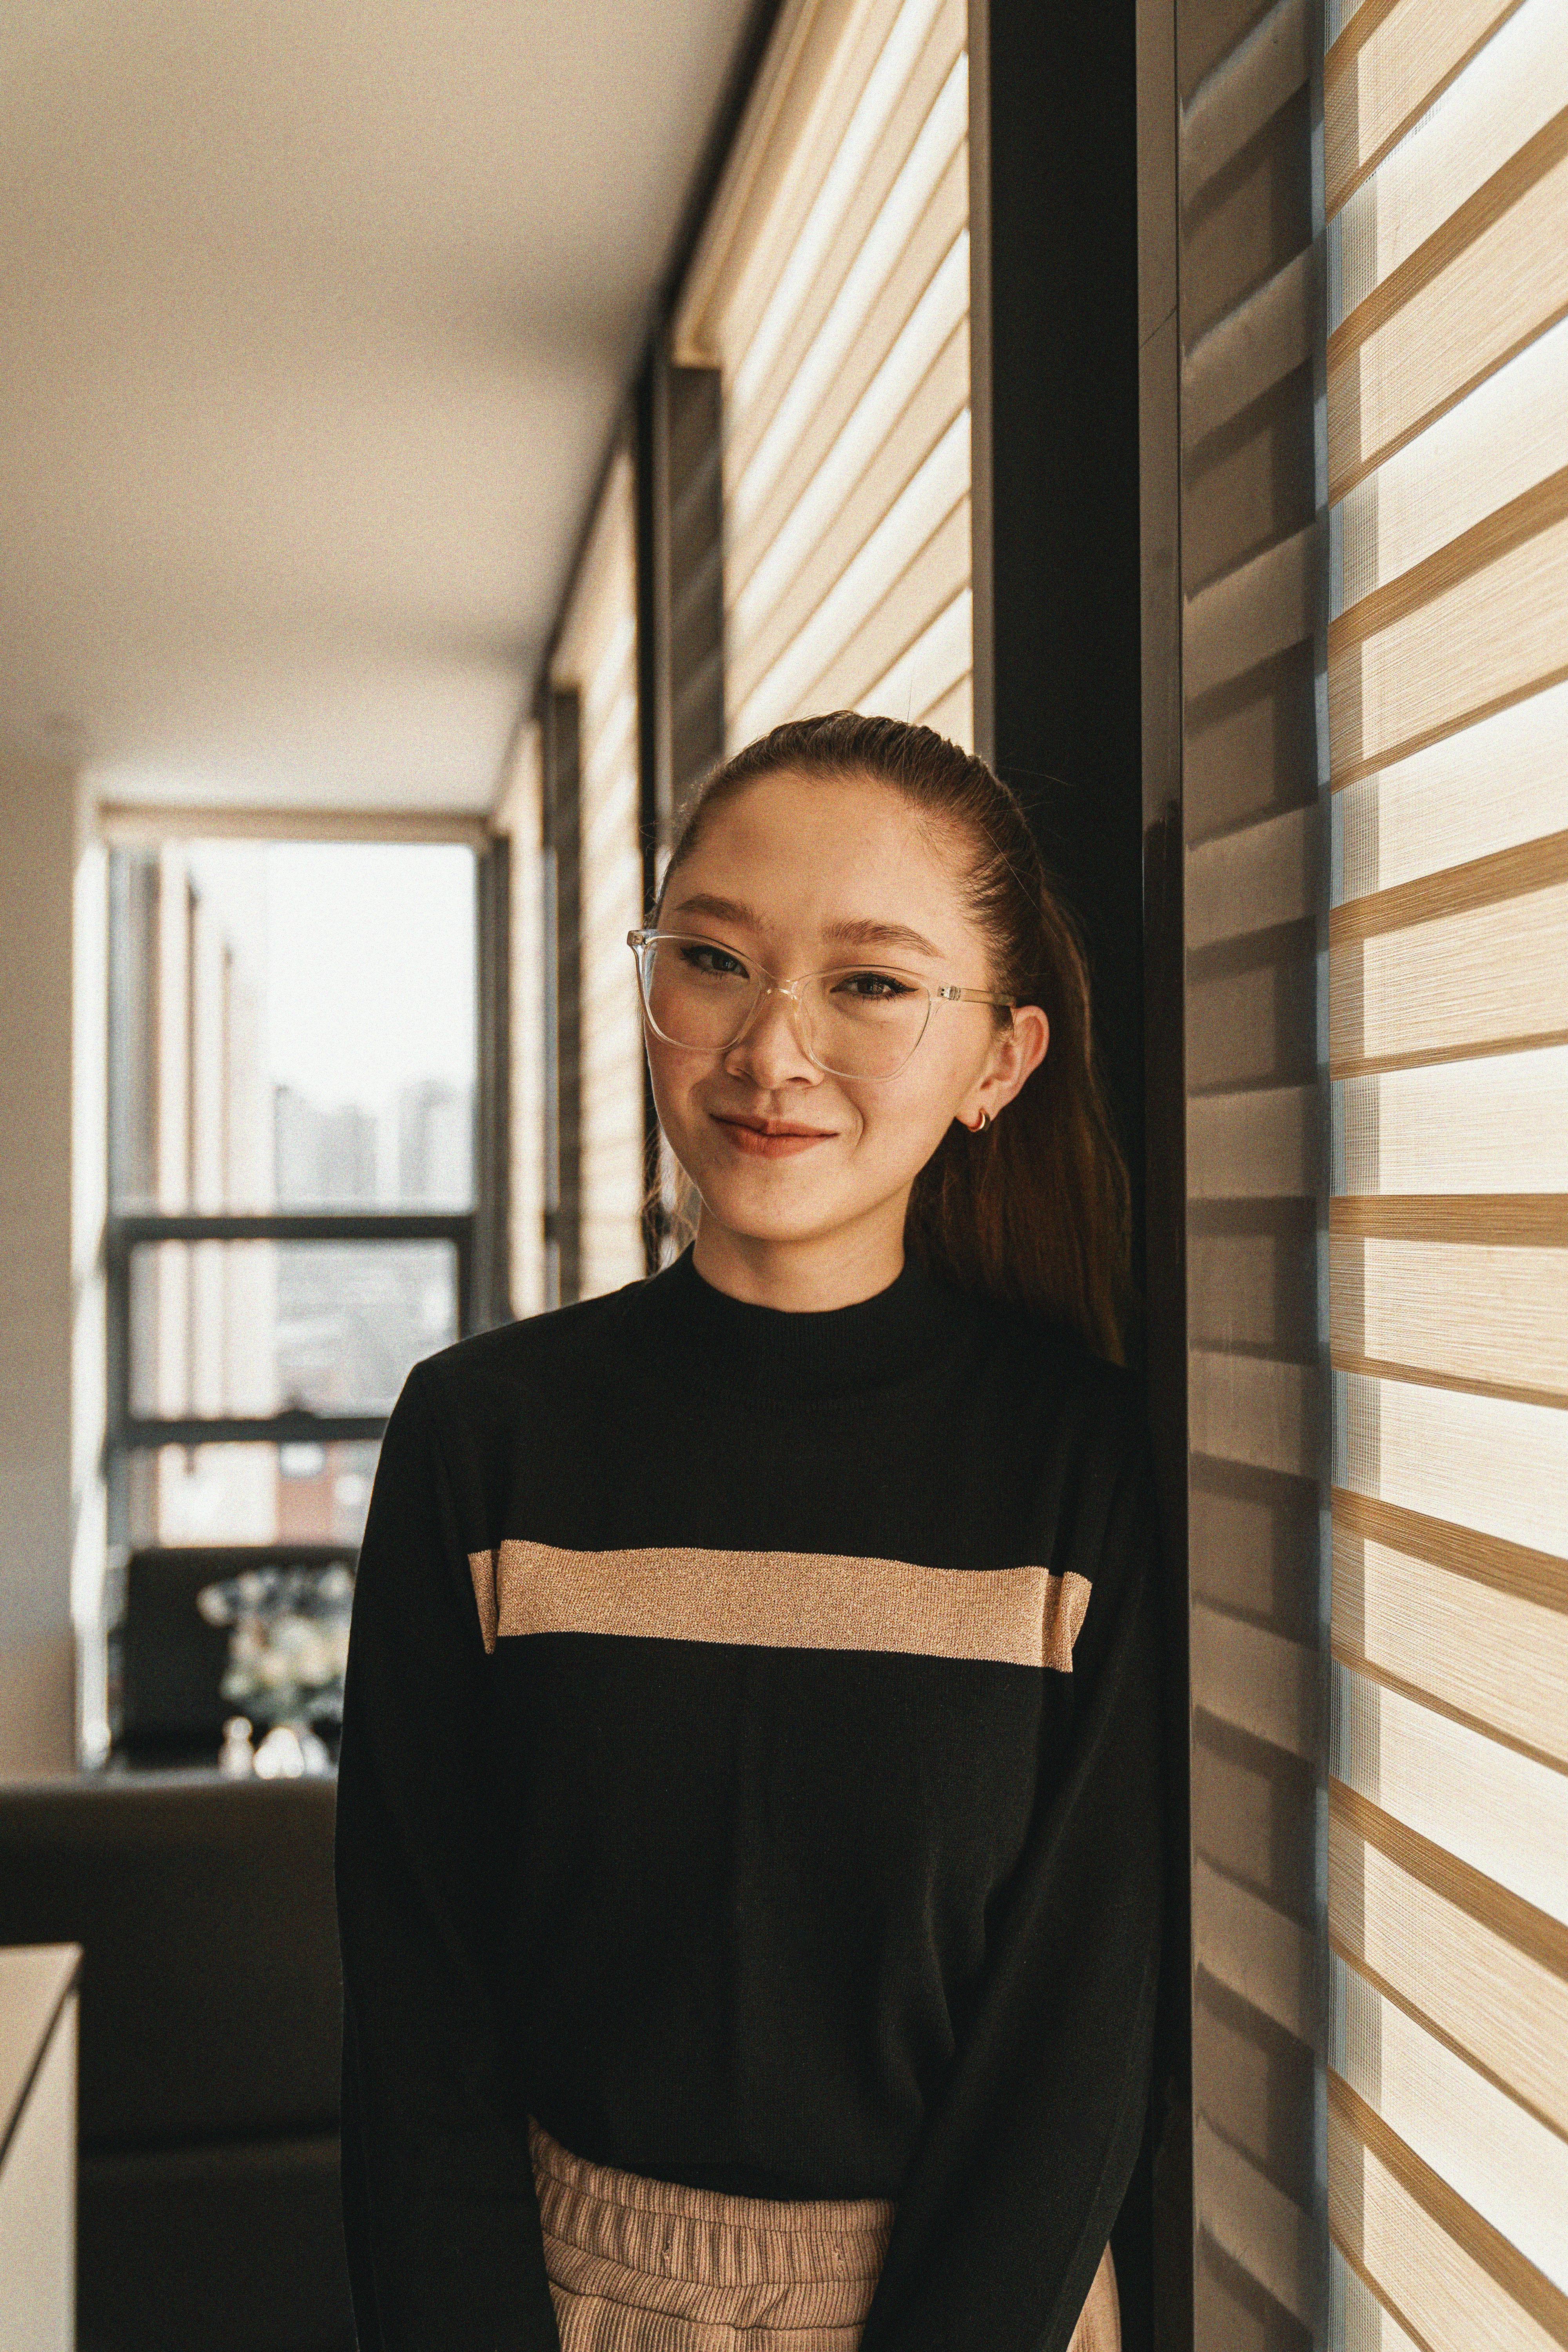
[(893, 1336)]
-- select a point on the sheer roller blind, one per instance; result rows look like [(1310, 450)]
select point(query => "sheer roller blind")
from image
[(1446, 143), (831, 286), (1249, 557), (598, 655)]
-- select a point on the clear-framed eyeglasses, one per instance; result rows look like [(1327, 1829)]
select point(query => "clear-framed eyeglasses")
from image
[(854, 1021)]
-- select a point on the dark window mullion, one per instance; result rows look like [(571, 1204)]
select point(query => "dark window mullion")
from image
[(144, 1435), (485, 1276), (562, 790), (295, 1225), (680, 644)]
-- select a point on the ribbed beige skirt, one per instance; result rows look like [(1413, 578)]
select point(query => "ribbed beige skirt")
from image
[(639, 2265)]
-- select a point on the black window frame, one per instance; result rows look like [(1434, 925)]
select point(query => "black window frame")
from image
[(130, 1433), (477, 1235)]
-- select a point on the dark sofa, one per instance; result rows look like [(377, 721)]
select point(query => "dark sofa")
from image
[(208, 2216)]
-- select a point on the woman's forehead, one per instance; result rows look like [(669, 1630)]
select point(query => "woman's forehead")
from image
[(786, 827), (885, 932)]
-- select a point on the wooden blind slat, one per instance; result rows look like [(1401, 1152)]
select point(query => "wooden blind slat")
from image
[(1509, 436), (1500, 1812), (837, 105), (953, 714), (790, 87), (1509, 873), (1506, 528), (1520, 1220), (936, 663), (838, 369), (1534, 1934)]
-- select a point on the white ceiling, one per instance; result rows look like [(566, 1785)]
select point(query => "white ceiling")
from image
[(316, 314)]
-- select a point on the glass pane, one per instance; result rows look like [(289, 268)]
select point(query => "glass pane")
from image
[(259, 1327), (294, 1025), (250, 1494)]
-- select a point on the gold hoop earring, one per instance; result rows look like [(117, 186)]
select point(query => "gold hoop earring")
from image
[(980, 1123)]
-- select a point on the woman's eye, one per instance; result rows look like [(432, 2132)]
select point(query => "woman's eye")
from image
[(727, 964), (871, 985)]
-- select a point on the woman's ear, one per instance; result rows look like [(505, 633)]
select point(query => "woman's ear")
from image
[(1015, 1054), (1029, 1038)]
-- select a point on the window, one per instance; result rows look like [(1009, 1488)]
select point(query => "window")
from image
[(1446, 140), (292, 1176), (595, 664), (831, 286)]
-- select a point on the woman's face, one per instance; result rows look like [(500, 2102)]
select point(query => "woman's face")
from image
[(781, 864)]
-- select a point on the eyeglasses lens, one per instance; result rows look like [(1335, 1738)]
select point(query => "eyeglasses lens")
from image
[(859, 1023)]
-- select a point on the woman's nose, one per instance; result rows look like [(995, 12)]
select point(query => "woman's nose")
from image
[(771, 1042)]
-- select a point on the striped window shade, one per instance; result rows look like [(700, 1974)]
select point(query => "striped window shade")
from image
[(597, 656), (831, 288), (1446, 148)]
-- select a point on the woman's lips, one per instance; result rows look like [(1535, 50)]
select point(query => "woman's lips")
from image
[(766, 1146)]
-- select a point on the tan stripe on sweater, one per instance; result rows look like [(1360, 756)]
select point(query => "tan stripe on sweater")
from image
[(781, 1601)]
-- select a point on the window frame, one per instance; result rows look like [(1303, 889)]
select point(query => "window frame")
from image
[(477, 1235), (125, 1232)]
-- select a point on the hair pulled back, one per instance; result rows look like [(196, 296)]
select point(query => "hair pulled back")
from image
[(1034, 1210)]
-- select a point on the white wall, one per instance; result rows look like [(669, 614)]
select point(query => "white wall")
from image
[(52, 924)]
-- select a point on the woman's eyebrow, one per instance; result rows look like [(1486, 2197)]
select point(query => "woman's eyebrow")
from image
[(864, 932)]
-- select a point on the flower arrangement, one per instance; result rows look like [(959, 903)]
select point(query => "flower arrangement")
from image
[(289, 1640)]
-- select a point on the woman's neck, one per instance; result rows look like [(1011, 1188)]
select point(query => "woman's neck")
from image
[(806, 1276)]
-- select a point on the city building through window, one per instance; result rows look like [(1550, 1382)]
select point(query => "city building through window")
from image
[(292, 1116)]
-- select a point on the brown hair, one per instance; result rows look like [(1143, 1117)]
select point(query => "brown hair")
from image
[(1034, 1209)]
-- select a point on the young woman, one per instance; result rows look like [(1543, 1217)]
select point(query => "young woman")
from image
[(749, 1855)]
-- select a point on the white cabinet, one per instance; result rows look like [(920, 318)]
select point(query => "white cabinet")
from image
[(37, 2146)]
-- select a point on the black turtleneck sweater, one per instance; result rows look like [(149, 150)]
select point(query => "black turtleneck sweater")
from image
[(749, 1769)]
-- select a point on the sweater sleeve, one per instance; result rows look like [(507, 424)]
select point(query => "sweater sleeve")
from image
[(1028, 2149), (441, 2217)]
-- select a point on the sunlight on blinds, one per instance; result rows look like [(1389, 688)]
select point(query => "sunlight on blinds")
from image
[(1446, 140), (1248, 553), (597, 654), (832, 288)]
